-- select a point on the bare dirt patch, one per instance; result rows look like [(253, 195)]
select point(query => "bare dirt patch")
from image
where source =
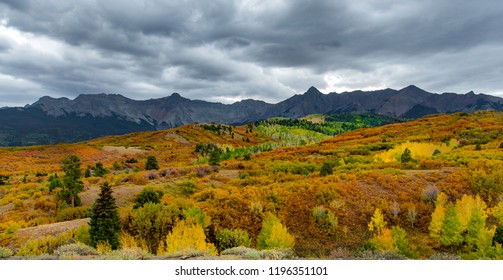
[(229, 174), (123, 194), (89, 195), (432, 171), (123, 150), (6, 208), (315, 119), (176, 138), (49, 229)]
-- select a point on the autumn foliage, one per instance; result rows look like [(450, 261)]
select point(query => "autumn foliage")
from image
[(416, 188)]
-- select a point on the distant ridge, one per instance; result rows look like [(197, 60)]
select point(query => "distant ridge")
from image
[(54, 120)]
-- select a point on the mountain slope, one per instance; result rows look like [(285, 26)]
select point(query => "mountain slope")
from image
[(409, 102), (166, 112), (33, 126), (51, 120)]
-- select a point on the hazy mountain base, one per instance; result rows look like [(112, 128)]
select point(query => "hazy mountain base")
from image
[(32, 126)]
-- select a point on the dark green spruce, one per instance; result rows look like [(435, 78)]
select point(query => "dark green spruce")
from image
[(151, 163), (105, 224)]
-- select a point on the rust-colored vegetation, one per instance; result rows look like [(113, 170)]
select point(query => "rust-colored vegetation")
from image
[(355, 195)]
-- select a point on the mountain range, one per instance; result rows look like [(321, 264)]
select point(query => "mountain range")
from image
[(55, 120)]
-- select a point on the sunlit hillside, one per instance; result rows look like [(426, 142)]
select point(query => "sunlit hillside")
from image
[(428, 188)]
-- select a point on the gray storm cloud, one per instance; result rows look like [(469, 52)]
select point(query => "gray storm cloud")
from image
[(231, 50)]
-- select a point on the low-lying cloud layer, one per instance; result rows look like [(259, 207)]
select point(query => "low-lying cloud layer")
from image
[(231, 50)]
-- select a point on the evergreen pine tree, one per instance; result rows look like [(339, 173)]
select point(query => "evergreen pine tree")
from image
[(151, 163), (406, 156), (87, 173), (99, 170), (147, 195), (116, 166), (105, 223), (215, 156), (54, 183), (498, 235), (326, 169), (72, 185), (3, 179)]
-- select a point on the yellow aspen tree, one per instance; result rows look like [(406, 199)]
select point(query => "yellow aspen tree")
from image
[(497, 212), (280, 238), (485, 241), (400, 241), (437, 217), (377, 222), (186, 237), (441, 199), (481, 206), (385, 241), (274, 235), (464, 210), (451, 228), (477, 223)]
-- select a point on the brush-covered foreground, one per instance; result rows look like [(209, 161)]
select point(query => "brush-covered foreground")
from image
[(429, 188)]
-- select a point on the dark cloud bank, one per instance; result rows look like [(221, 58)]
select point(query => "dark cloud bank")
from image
[(230, 50)]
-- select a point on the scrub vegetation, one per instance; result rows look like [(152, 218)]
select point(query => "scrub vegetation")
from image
[(325, 186)]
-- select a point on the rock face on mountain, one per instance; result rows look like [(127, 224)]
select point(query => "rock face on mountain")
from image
[(164, 112), (409, 102), (51, 120)]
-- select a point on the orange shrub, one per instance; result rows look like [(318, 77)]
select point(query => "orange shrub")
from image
[(138, 178), (429, 164)]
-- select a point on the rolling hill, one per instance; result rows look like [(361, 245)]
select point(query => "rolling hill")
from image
[(324, 190)]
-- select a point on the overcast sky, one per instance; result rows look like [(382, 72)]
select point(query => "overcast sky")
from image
[(231, 50)]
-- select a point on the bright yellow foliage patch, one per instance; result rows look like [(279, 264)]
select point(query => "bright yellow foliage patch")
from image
[(184, 238), (418, 150), (377, 222), (385, 242)]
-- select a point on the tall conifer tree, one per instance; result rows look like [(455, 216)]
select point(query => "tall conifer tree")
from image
[(72, 185), (105, 223)]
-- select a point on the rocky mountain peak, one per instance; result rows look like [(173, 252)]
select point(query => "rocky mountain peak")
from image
[(313, 91), (122, 114)]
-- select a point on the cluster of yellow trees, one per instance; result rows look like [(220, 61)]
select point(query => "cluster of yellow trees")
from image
[(458, 227), (464, 223), (158, 229), (388, 240)]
